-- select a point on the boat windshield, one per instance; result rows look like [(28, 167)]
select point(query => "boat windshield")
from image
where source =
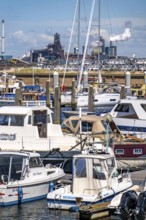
[(122, 108), (10, 167), (144, 107), (35, 162), (111, 166), (98, 169), (80, 168), (12, 120)]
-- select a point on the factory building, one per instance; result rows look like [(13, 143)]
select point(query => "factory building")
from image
[(111, 51), (52, 52), (105, 52)]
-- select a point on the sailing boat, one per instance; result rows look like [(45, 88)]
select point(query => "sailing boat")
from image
[(103, 101)]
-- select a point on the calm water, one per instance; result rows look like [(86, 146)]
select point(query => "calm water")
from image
[(35, 211)]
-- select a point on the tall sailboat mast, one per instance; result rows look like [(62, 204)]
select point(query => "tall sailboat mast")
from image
[(78, 30), (86, 45), (73, 24), (99, 74)]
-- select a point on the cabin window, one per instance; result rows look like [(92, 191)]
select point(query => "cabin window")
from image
[(4, 167), (13, 162), (137, 151), (98, 172), (112, 100), (80, 168), (122, 108), (86, 126), (40, 117), (16, 120), (16, 169), (144, 107), (35, 162), (111, 165), (4, 119), (119, 151), (48, 119), (74, 123), (29, 120)]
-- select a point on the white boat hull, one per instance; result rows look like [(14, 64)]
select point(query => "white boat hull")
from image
[(131, 126), (100, 100), (10, 195), (22, 191), (65, 200)]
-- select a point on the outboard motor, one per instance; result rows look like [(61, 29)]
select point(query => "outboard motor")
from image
[(128, 204), (140, 210)]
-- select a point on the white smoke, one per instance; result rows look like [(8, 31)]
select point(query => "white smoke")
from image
[(122, 37), (125, 35)]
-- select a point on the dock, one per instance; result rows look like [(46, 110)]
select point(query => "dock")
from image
[(138, 177)]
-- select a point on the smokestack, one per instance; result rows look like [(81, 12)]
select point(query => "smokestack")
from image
[(111, 43), (3, 38)]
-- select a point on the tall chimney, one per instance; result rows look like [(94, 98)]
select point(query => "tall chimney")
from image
[(3, 38), (111, 43)]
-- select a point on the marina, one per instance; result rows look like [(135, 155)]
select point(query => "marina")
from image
[(39, 209), (73, 111)]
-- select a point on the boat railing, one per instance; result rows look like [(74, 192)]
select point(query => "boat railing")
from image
[(49, 165), (98, 191), (34, 103), (4, 179)]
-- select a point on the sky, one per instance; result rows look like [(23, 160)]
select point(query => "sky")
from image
[(31, 24)]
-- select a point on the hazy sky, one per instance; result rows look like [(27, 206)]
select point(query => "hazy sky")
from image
[(31, 24)]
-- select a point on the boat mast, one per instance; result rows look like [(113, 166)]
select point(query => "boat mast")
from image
[(99, 74), (86, 45), (73, 23), (78, 30)]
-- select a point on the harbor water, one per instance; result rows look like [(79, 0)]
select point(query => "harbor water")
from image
[(37, 210)]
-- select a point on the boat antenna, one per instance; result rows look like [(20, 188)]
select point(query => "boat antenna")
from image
[(22, 144), (99, 75), (86, 44), (73, 23)]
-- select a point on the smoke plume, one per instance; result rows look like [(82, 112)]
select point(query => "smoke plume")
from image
[(125, 35)]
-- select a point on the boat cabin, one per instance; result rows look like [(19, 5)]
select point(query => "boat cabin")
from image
[(91, 124), (93, 173), (14, 166), (22, 117), (135, 109), (31, 128)]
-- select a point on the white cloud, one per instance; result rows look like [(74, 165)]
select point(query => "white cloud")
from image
[(21, 42)]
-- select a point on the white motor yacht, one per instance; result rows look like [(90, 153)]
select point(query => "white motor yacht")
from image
[(95, 179), (24, 178)]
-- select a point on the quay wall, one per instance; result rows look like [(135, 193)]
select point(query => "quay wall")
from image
[(43, 75)]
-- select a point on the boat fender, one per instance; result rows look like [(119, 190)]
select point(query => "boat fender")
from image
[(20, 194), (74, 209), (51, 187)]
